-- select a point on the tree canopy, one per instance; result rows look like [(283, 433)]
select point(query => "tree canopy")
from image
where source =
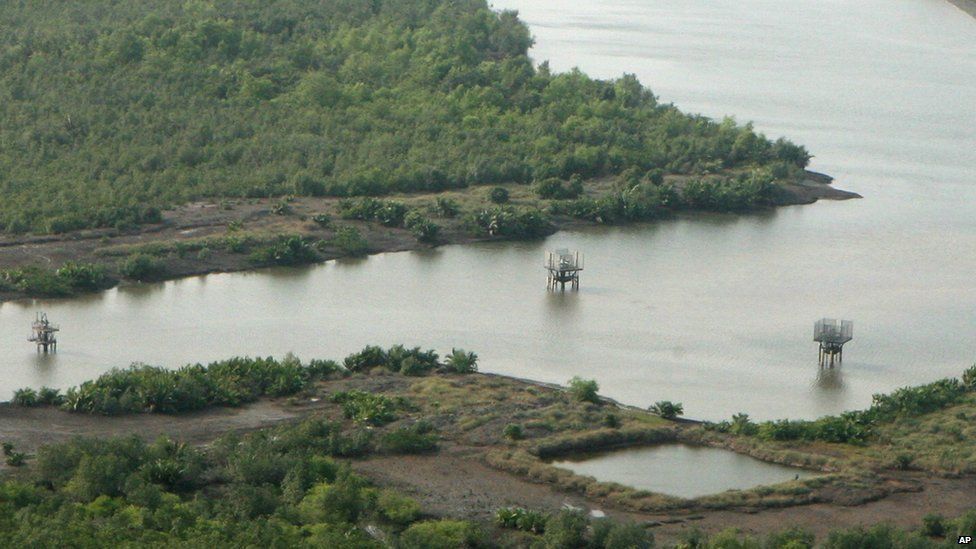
[(111, 111)]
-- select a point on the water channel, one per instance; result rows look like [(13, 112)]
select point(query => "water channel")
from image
[(715, 312)]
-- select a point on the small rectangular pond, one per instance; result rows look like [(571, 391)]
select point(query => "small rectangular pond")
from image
[(681, 470)]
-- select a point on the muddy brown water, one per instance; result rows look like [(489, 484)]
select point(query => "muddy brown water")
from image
[(715, 312), (681, 470)]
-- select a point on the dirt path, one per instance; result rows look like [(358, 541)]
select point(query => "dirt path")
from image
[(30, 428)]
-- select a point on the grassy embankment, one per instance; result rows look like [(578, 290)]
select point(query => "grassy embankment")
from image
[(520, 426)]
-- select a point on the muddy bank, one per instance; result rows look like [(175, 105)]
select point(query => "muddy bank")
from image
[(189, 227)]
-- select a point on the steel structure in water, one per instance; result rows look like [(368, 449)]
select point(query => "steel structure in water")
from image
[(832, 334), (44, 334), (563, 266)]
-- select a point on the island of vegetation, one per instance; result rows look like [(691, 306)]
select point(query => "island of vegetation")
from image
[(401, 447), (150, 140)]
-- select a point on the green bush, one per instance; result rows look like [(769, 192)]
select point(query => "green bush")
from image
[(26, 397), (933, 525), (342, 501), (510, 223), (667, 409), (969, 378), (422, 228), (792, 538), (398, 509), (445, 207), (612, 421), (286, 251), (35, 282), (441, 534), (416, 439), (411, 362), (461, 361), (566, 529), (498, 195), (553, 188), (142, 267), (521, 519), (323, 220), (83, 276), (366, 408), (149, 389), (513, 431), (350, 242), (622, 535), (370, 357), (583, 390)]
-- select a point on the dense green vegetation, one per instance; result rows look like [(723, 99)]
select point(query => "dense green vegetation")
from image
[(860, 425), (113, 111), (141, 388), (151, 389), (276, 488), (70, 279)]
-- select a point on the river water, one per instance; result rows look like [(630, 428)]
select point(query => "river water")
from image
[(715, 312)]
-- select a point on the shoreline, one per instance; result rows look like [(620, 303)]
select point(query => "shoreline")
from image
[(967, 6), (191, 223)]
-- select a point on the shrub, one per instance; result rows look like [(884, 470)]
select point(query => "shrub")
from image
[(367, 408), (323, 368), (323, 220), (422, 228), (622, 535), (969, 378), (445, 207), (904, 461), (793, 538), (933, 525), (231, 382), (742, 425), (583, 390), (565, 529), (349, 241), (513, 431), (370, 357), (142, 267), (667, 409), (498, 195), (441, 534), (25, 397), (510, 223), (289, 250), (462, 362), (416, 439), (612, 421), (15, 459), (553, 188), (391, 214), (398, 509), (521, 519), (341, 501), (84, 276), (363, 209), (411, 362)]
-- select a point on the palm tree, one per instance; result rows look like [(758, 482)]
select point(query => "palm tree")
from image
[(462, 362)]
